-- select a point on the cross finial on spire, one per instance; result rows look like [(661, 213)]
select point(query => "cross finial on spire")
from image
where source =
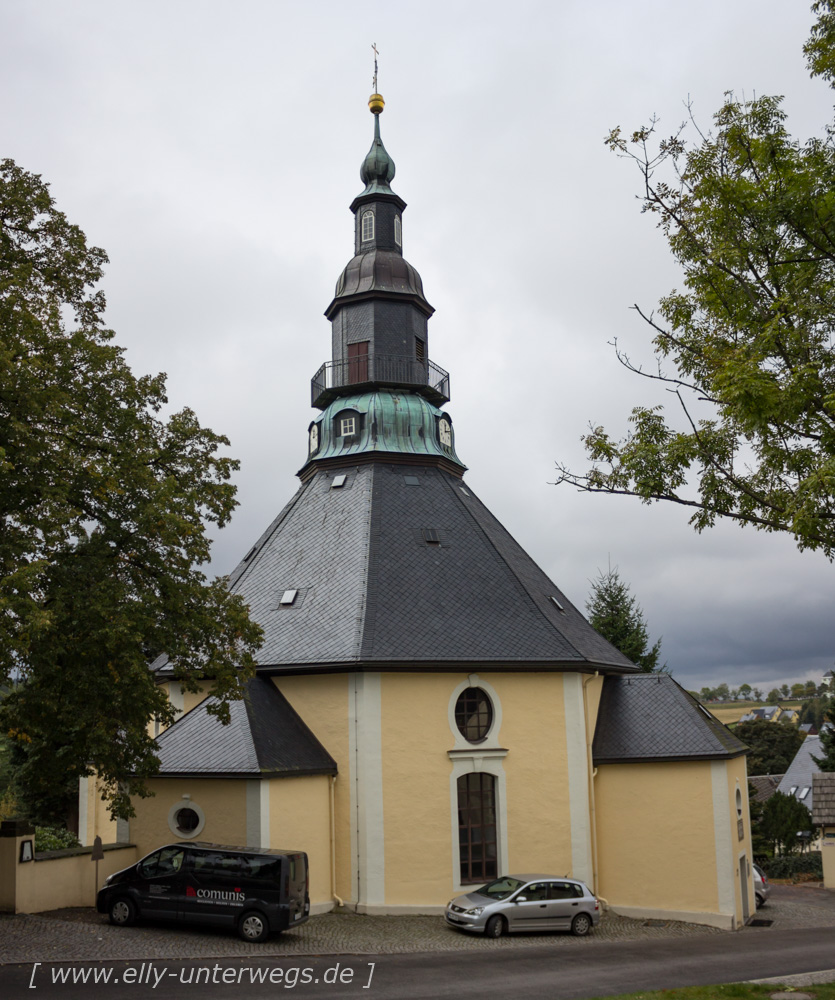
[(376, 53)]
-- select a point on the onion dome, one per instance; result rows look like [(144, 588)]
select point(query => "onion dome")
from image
[(377, 170)]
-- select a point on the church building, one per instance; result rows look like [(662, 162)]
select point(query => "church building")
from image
[(430, 710)]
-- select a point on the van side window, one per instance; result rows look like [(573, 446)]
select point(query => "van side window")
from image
[(265, 867), (168, 861)]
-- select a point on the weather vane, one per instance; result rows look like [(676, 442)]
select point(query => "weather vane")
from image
[(376, 53)]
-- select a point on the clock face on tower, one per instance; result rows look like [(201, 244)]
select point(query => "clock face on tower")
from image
[(445, 432), (314, 438)]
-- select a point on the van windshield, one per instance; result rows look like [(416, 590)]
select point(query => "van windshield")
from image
[(500, 888)]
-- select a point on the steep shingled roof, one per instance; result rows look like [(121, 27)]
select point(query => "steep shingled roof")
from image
[(649, 717), (265, 737), (372, 591), (823, 790)]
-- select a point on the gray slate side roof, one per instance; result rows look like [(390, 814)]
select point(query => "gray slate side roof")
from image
[(373, 593), (649, 717), (265, 737), (801, 769), (823, 789)]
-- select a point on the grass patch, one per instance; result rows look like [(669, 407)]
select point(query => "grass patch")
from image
[(729, 991)]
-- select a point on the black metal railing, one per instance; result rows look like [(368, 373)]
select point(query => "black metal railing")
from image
[(372, 369)]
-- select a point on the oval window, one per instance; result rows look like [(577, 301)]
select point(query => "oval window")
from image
[(473, 715), (186, 821)]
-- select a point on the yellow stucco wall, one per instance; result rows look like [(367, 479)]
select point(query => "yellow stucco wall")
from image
[(416, 792), (641, 805), (300, 820), (419, 798), (537, 772), (322, 702), (222, 800), (99, 822), (57, 882)]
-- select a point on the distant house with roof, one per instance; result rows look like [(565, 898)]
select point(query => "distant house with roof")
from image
[(797, 780), (765, 785), (771, 713)]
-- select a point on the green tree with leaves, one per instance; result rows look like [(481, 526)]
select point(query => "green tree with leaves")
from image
[(783, 819), (105, 504), (826, 762), (617, 616), (773, 747), (746, 347)]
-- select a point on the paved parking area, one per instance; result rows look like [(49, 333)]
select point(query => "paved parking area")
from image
[(77, 935)]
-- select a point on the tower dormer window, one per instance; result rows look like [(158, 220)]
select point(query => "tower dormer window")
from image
[(367, 226), (398, 238), (347, 426)]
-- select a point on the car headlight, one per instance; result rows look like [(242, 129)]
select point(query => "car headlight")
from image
[(474, 912)]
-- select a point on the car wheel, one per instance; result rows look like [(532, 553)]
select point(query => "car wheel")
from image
[(122, 912), (760, 900), (494, 927), (253, 927), (581, 925)]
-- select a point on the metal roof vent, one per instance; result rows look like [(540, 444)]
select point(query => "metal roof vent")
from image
[(288, 597), (338, 481), (250, 554), (431, 536), (465, 492), (411, 480), (557, 604)]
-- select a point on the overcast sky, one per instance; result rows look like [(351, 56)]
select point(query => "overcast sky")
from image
[(213, 150)]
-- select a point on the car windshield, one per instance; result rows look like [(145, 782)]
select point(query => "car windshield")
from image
[(500, 888)]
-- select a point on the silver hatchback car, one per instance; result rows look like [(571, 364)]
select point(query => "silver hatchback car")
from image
[(526, 903)]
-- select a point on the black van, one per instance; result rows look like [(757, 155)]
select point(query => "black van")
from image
[(257, 891)]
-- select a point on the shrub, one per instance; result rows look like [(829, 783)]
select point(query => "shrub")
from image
[(795, 865), (54, 838)]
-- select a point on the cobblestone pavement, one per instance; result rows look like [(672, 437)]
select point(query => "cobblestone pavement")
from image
[(83, 934)]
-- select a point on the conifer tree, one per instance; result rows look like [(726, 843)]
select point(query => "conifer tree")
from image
[(618, 617)]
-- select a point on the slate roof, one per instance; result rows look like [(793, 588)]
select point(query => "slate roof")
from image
[(264, 738), (649, 717), (823, 789), (373, 593), (765, 785), (800, 771)]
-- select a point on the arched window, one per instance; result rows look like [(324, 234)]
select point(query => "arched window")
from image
[(367, 226), (477, 842), (397, 234), (473, 714)]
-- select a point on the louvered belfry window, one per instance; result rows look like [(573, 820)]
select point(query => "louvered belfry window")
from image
[(477, 843)]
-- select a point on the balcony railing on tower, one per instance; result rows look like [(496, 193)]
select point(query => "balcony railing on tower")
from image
[(366, 371)]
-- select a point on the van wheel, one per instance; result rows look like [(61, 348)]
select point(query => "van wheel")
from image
[(253, 927), (581, 925), (495, 927), (122, 912)]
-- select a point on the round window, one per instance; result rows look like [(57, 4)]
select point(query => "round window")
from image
[(186, 821), (738, 804), (473, 714)]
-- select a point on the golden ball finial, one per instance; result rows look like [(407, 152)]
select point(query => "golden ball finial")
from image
[(376, 104)]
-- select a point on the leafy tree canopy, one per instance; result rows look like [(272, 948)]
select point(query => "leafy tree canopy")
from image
[(783, 818), (104, 506), (773, 747), (826, 762), (618, 617), (746, 347)]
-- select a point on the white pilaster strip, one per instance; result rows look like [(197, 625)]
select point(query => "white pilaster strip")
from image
[(253, 813), (578, 777), (83, 794), (264, 813), (175, 696), (725, 873), (367, 835)]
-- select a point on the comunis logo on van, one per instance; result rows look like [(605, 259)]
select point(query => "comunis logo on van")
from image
[(233, 896)]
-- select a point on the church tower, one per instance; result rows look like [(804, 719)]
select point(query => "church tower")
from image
[(380, 392)]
